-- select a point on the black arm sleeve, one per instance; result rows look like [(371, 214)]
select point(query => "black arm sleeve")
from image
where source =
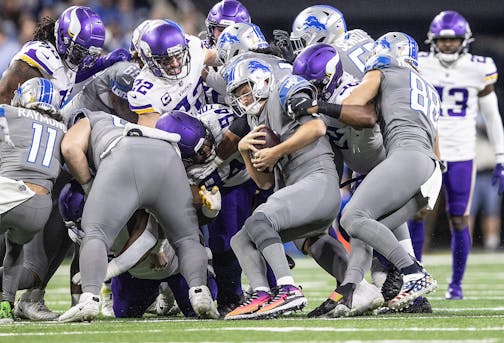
[(240, 126)]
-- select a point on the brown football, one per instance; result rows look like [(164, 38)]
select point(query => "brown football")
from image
[(271, 138)]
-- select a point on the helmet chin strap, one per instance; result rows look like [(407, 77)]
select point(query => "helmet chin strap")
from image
[(448, 58)]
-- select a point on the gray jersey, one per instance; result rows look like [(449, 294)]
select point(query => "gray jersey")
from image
[(105, 128), (354, 48), (408, 110), (118, 79), (36, 157), (315, 156)]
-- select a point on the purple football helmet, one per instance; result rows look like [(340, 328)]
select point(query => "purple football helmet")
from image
[(71, 202), (163, 48), (449, 24), (223, 14), (196, 142), (321, 65), (80, 35)]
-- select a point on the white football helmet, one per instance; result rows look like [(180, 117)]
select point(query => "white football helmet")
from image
[(239, 38)]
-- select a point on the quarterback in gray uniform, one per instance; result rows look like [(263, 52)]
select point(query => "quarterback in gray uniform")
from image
[(128, 178), (408, 112), (29, 166), (285, 216)]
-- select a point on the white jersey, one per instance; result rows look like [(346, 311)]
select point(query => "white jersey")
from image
[(362, 149), (458, 86), (232, 172), (44, 57), (154, 94)]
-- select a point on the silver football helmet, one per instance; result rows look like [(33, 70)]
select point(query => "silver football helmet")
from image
[(258, 76), (38, 94), (317, 24), (239, 38)]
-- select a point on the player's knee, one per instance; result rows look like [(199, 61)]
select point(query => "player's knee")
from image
[(303, 244), (350, 219), (459, 222), (261, 230)]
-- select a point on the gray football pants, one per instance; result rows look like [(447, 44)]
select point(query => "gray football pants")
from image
[(389, 191), (140, 173), (303, 209), (21, 224)]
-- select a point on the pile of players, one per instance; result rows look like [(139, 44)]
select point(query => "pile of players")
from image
[(147, 163)]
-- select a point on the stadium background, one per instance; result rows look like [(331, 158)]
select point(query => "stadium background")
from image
[(486, 17)]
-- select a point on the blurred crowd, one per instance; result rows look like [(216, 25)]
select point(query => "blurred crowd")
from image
[(18, 19)]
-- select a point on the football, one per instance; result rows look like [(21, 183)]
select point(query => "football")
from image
[(271, 138)]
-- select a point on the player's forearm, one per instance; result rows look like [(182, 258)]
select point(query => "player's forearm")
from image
[(489, 108), (305, 135)]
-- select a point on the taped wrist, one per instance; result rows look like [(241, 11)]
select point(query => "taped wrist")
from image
[(332, 110)]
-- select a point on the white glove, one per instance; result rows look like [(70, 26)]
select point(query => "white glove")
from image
[(76, 279), (5, 129), (199, 172), (211, 201)]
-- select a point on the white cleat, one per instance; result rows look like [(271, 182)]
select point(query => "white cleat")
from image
[(31, 306), (202, 302), (87, 309), (107, 303)]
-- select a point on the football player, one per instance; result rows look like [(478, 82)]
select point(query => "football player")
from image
[(393, 69), (465, 84), (31, 162)]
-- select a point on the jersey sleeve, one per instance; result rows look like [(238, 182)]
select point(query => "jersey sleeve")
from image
[(139, 98), (123, 78), (41, 56), (489, 70)]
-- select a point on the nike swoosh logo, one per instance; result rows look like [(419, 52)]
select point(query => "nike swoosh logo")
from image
[(46, 56), (133, 95)]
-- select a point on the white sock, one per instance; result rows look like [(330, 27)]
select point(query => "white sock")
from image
[(285, 280)]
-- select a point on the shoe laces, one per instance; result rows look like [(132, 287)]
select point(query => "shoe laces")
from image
[(281, 291), (253, 296)]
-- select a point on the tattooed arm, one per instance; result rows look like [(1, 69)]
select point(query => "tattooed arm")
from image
[(17, 73)]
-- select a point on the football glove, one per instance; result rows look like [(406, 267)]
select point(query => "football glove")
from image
[(211, 201), (282, 40), (299, 105), (498, 177), (199, 172), (102, 63)]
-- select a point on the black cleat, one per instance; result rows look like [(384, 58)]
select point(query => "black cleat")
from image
[(326, 309), (392, 284)]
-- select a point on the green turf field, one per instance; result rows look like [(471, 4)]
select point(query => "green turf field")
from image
[(477, 318)]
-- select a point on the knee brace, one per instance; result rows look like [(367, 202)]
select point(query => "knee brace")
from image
[(261, 231)]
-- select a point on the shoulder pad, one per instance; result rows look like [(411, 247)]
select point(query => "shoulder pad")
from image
[(379, 62), (40, 55), (293, 84)]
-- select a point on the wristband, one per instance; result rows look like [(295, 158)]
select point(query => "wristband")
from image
[(332, 110)]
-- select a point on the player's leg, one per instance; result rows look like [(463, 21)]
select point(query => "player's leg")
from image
[(458, 181), (373, 201), (132, 296)]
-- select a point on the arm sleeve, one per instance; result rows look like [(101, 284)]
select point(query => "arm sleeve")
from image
[(240, 126), (132, 255), (490, 110)]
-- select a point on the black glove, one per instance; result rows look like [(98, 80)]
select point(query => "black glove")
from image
[(282, 40), (299, 105)]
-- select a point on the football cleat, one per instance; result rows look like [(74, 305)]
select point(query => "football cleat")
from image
[(87, 309), (287, 298), (364, 298), (6, 315), (414, 286), (31, 305), (250, 305), (107, 303), (419, 305), (454, 292), (325, 309), (392, 285), (202, 302)]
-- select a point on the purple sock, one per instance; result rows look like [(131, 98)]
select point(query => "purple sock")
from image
[(228, 277), (271, 277), (460, 245), (417, 234)]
